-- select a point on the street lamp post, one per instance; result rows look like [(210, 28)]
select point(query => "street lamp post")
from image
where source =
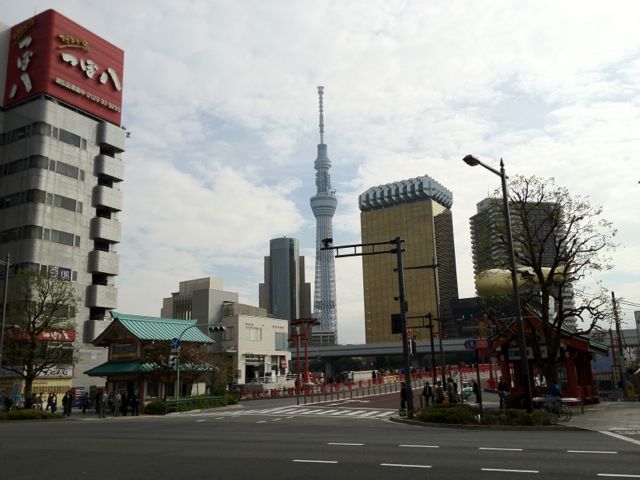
[(524, 361), (7, 264)]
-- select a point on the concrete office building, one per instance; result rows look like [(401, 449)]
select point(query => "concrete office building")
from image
[(256, 343), (284, 293), (418, 211), (201, 299), (61, 168)]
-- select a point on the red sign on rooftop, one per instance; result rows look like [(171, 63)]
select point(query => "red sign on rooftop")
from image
[(50, 54)]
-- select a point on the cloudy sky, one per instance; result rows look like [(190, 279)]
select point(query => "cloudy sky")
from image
[(220, 99)]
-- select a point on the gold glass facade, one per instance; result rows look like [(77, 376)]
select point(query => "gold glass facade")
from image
[(427, 230)]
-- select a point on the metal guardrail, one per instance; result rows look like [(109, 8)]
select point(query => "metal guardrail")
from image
[(193, 403)]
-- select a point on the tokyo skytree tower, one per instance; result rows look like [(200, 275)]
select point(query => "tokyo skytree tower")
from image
[(324, 205)]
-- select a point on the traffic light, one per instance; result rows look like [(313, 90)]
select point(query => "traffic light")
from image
[(217, 328), (412, 346), (173, 362)]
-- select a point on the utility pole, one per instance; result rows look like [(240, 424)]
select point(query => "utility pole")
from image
[(619, 341)]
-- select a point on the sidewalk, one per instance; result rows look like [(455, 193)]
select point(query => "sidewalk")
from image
[(607, 416)]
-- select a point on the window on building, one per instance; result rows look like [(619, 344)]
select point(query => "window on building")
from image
[(70, 138), (67, 170), (281, 341), (228, 334), (254, 334)]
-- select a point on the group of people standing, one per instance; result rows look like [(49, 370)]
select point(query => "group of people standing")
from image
[(116, 404), (437, 394)]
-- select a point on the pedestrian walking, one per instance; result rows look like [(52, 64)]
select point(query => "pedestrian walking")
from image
[(133, 401), (67, 402), (403, 399), (438, 393), (476, 390), (503, 391), (426, 397), (104, 404)]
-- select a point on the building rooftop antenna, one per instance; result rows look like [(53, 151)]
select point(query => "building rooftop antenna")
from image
[(320, 93)]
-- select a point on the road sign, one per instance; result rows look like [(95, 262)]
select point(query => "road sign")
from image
[(174, 344), (473, 344), (470, 344)]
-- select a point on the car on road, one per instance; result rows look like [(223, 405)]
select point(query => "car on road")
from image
[(467, 390)]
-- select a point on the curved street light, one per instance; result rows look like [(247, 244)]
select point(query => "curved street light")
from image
[(524, 361)]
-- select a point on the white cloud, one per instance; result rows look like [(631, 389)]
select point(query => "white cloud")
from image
[(220, 97)]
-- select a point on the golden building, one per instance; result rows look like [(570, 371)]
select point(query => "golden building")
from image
[(418, 211)]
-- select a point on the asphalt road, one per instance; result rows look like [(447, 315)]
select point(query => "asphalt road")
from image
[(244, 443)]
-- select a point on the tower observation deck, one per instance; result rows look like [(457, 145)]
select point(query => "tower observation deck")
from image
[(323, 205)]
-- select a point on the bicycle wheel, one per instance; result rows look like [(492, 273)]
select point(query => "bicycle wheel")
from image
[(564, 413)]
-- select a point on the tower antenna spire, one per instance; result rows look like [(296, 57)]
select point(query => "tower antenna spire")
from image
[(320, 93)]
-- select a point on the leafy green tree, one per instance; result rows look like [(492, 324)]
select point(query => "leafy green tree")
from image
[(40, 316)]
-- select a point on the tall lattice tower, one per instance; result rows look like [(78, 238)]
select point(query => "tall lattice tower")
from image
[(324, 204)]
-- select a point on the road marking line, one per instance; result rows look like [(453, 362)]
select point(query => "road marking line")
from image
[(262, 421), (625, 475), (507, 470), (339, 412), (346, 444), (356, 412), (277, 419), (590, 451), (314, 461), (385, 414), (370, 414), (404, 465), (501, 449), (198, 421), (219, 418), (420, 446), (620, 437), (329, 412)]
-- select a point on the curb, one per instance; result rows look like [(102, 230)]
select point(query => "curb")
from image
[(419, 423)]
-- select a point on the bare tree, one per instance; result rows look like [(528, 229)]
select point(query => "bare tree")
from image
[(560, 241), (41, 328)]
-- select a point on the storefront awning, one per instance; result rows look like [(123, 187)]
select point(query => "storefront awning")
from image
[(114, 368)]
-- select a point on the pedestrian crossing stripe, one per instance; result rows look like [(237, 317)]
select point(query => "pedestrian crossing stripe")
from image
[(353, 413)]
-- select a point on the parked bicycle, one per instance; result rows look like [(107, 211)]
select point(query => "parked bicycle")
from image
[(559, 408)]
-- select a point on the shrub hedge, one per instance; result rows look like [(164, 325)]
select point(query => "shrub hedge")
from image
[(463, 414), (29, 414)]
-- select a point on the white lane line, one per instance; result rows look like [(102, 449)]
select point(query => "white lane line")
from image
[(356, 412), (346, 444), (499, 449), (507, 470), (385, 414), (339, 412), (404, 465), (329, 412), (277, 419), (621, 437), (592, 451), (262, 421), (314, 461), (623, 475), (420, 446), (370, 414), (199, 421)]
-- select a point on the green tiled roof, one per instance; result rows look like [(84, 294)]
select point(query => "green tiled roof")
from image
[(112, 368), (157, 328)]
